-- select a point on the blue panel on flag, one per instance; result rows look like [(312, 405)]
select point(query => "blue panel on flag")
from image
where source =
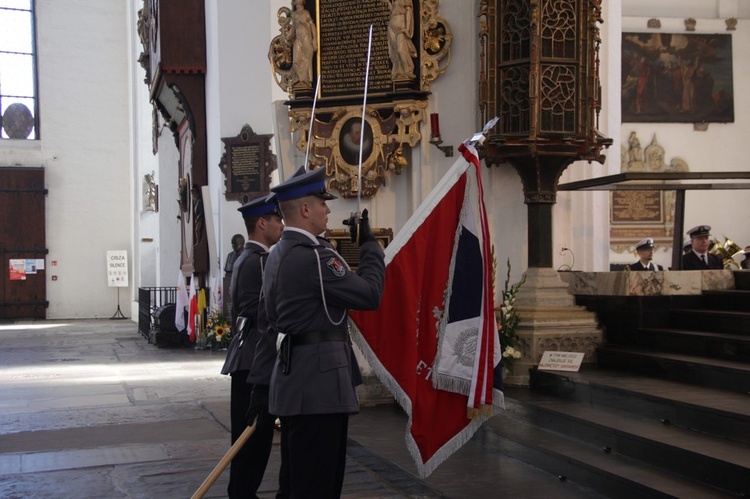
[(466, 292)]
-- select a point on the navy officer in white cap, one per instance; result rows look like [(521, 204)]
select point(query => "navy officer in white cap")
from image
[(645, 250), (309, 289), (263, 224), (699, 258)]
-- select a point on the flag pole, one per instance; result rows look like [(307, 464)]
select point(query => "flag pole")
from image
[(221, 466)]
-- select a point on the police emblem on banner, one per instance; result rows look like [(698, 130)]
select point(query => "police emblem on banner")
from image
[(336, 267)]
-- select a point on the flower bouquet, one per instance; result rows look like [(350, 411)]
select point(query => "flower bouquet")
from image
[(507, 325), (218, 330)]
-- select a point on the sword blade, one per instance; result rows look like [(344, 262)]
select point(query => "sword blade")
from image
[(312, 121), (362, 128)]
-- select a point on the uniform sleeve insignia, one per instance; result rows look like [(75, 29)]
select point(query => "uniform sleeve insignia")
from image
[(336, 267)]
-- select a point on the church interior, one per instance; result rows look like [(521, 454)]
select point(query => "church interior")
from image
[(135, 130)]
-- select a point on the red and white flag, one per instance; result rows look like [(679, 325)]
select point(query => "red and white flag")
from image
[(216, 291), (433, 342), (182, 301), (192, 311)]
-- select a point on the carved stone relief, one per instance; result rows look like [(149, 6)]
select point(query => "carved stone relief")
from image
[(635, 215)]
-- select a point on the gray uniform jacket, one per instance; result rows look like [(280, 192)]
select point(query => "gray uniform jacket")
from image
[(322, 375), (247, 279)]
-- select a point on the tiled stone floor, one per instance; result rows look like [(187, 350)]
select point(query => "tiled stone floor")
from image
[(89, 409)]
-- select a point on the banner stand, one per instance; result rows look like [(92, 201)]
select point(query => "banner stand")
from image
[(118, 313), (117, 276)]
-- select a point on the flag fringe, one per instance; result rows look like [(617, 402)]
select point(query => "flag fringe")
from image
[(380, 371), (455, 443), (424, 469), (445, 382)]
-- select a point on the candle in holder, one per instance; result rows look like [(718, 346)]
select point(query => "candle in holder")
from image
[(435, 126)]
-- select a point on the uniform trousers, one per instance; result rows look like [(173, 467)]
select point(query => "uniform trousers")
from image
[(248, 466), (313, 455)]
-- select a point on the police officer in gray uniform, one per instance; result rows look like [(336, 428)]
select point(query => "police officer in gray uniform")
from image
[(264, 226), (308, 291)]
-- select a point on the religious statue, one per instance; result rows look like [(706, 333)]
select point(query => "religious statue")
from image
[(655, 156), (150, 191), (635, 153), (401, 49), (238, 244), (302, 36), (184, 195), (198, 214)]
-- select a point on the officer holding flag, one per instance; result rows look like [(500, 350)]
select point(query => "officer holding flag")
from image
[(309, 289)]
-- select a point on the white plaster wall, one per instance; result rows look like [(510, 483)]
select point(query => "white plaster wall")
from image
[(146, 227), (168, 242), (238, 92), (85, 149)]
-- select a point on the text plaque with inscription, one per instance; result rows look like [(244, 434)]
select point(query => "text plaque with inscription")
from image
[(344, 26), (247, 164)]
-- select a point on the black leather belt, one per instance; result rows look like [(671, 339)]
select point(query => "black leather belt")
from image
[(318, 336)]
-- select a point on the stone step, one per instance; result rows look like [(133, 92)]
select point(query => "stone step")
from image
[(611, 474), (720, 413), (701, 371), (703, 319), (742, 280), (729, 299), (695, 456), (734, 347)]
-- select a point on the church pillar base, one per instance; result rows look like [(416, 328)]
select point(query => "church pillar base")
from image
[(550, 320)]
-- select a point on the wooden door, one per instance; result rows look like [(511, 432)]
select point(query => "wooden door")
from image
[(22, 238)]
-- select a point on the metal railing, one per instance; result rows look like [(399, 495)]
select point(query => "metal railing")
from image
[(149, 299)]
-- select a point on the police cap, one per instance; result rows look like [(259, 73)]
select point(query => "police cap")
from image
[(261, 206), (312, 183)]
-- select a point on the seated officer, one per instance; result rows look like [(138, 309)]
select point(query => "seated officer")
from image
[(645, 250), (687, 246), (699, 258)]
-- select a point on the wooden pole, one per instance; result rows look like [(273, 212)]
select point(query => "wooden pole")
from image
[(219, 469)]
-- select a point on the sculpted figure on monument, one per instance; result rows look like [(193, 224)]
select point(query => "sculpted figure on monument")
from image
[(401, 50), (635, 153), (302, 38), (655, 156)]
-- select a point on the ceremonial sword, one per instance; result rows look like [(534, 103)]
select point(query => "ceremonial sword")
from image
[(358, 214)]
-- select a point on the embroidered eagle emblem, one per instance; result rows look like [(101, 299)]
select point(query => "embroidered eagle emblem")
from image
[(336, 267)]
